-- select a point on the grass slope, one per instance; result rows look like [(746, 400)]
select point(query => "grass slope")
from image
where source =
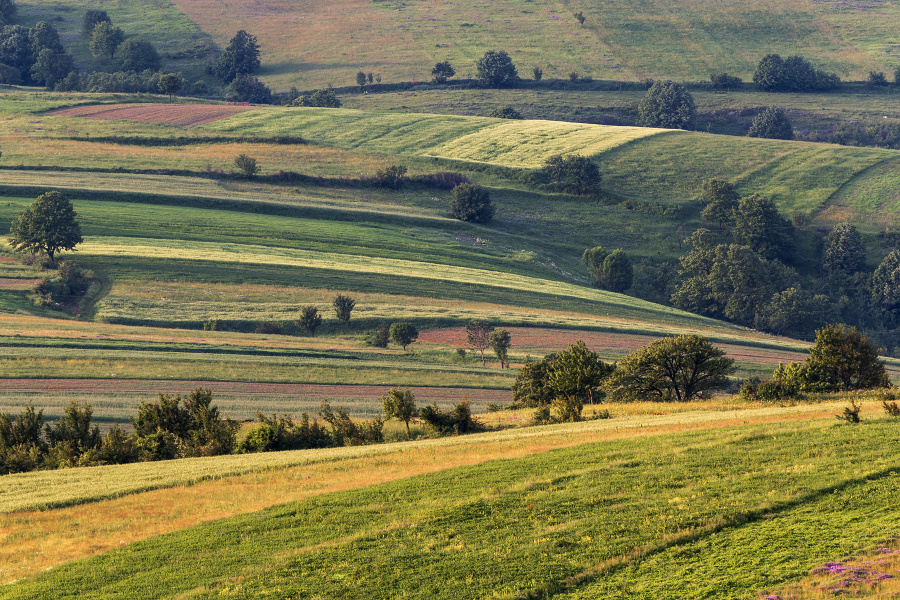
[(747, 507)]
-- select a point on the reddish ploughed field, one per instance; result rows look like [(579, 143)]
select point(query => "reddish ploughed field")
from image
[(182, 115), (542, 341)]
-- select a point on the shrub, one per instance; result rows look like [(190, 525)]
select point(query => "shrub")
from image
[(319, 99), (382, 336), (724, 81), (246, 88), (877, 78), (346, 432), (454, 422), (496, 69), (268, 327), (391, 177), (897, 76), (246, 165), (891, 408), (447, 180), (572, 173), (795, 74), (668, 105), (310, 319), (772, 123), (472, 203), (506, 112), (283, 433), (343, 307), (538, 73), (851, 413), (212, 324)]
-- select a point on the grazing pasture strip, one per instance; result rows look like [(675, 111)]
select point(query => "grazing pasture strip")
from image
[(32, 541)]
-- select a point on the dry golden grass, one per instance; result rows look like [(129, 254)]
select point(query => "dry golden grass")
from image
[(36, 540)]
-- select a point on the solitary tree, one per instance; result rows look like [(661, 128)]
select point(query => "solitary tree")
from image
[(343, 306), (668, 105), (246, 165), (675, 368), (171, 84), (573, 173), (401, 405), (772, 123), (241, 57), (404, 333), (500, 340), (442, 71), (477, 333), (844, 359), (472, 203), (47, 225), (309, 320), (105, 39), (496, 70)]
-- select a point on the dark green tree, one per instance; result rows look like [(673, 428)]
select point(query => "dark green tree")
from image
[(50, 68), (404, 333), (844, 253), (139, 55), (618, 274), (886, 282), (382, 336), (793, 311), (720, 200), (472, 203), (391, 177), (15, 50), (401, 405), (91, 19), (770, 74), (171, 84), (7, 11), (532, 386), (48, 225), (241, 57), (44, 36), (758, 224), (477, 336), (593, 258), (246, 165), (772, 123), (670, 369), (505, 112), (800, 74), (105, 39), (496, 70), (245, 88), (343, 306), (361, 79), (573, 173), (309, 319), (500, 340), (74, 427), (319, 99), (442, 71), (668, 105)]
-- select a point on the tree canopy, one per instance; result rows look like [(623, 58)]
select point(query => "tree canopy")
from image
[(844, 252), (609, 270), (572, 173), (720, 200), (670, 369), (404, 333), (442, 71), (139, 55), (758, 224), (48, 225), (772, 123), (105, 39)]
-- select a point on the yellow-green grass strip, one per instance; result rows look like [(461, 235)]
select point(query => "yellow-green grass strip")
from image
[(530, 143), (48, 489)]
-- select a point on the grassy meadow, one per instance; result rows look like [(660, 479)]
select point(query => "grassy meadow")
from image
[(750, 505), (619, 40)]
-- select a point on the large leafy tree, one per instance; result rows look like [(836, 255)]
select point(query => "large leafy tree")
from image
[(472, 203), (844, 359), (668, 105), (16, 49), (139, 55), (758, 224), (574, 378), (48, 225), (241, 57), (670, 369), (496, 70), (105, 39), (844, 253)]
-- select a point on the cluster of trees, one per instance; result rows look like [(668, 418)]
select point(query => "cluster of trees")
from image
[(609, 270), (792, 74), (173, 427), (481, 336), (841, 359), (400, 404), (676, 369), (571, 173)]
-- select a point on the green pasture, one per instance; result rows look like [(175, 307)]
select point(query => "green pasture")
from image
[(721, 513)]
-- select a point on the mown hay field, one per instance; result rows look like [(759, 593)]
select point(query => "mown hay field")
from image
[(750, 504)]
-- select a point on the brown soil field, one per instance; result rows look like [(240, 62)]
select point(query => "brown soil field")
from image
[(181, 115), (542, 341)]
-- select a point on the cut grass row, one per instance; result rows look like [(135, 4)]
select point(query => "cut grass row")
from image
[(753, 505)]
